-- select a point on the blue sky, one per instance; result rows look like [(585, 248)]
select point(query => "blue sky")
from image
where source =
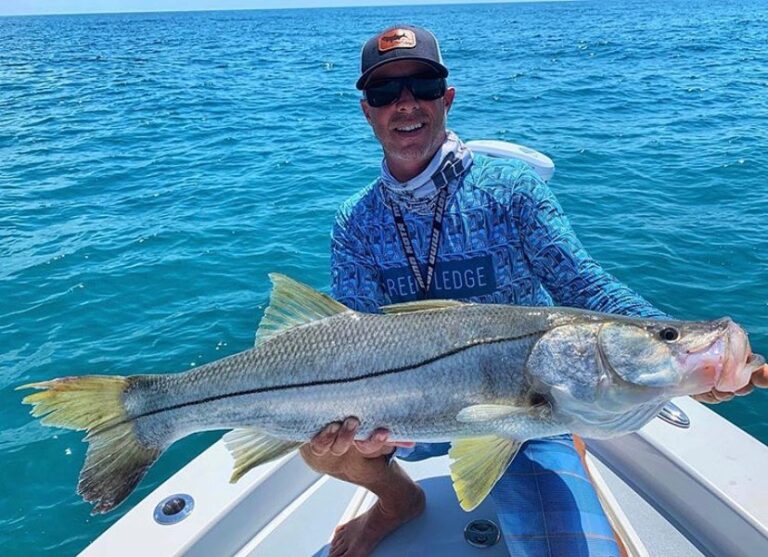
[(24, 7)]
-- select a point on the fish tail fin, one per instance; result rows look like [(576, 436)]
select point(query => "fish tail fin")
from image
[(116, 458)]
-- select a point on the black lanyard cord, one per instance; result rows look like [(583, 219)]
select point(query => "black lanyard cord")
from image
[(451, 169), (424, 283)]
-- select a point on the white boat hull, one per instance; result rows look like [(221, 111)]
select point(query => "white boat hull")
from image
[(703, 490)]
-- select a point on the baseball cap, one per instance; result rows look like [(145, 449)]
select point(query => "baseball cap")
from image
[(401, 42)]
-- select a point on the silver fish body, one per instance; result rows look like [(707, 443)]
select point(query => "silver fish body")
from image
[(486, 377), (411, 373)]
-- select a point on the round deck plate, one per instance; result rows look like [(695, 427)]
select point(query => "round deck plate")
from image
[(481, 533)]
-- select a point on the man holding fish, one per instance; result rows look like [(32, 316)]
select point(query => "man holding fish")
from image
[(503, 379), (441, 222)]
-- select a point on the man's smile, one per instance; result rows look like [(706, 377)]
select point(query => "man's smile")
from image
[(408, 128)]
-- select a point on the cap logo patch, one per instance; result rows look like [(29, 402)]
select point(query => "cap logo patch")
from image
[(397, 38)]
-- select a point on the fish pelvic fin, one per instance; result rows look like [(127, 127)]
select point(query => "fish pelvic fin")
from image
[(477, 464), (251, 447), (292, 304), (115, 460)]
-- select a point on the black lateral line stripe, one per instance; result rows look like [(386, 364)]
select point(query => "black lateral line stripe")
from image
[(331, 381)]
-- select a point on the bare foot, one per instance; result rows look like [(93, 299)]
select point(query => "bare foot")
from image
[(359, 536)]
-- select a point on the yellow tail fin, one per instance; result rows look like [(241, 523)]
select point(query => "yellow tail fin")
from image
[(116, 459)]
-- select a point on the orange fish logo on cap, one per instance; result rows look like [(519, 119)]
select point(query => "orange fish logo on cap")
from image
[(396, 38)]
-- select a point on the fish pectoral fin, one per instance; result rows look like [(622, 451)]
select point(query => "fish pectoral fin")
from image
[(292, 304), (421, 305), (477, 464), (251, 447), (486, 413)]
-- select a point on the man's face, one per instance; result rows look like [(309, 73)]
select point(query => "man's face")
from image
[(394, 124)]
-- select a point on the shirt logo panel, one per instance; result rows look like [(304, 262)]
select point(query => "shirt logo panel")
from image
[(452, 280)]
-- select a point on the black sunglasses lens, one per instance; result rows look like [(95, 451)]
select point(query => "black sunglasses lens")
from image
[(387, 92), (384, 93), (428, 89)]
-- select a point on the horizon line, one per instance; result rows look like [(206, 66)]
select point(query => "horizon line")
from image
[(256, 8)]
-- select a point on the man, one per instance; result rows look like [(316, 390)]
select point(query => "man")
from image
[(441, 222)]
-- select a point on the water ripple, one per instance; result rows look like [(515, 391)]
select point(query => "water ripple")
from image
[(157, 166)]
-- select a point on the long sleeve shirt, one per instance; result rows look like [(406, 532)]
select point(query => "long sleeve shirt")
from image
[(505, 239)]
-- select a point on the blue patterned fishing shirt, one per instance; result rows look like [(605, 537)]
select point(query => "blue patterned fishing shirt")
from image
[(505, 240)]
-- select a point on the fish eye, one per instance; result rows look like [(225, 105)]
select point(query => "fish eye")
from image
[(669, 334), (537, 399)]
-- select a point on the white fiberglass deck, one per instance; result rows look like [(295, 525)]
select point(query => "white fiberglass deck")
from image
[(701, 491)]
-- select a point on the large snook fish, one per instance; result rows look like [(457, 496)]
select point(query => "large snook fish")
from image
[(486, 377)]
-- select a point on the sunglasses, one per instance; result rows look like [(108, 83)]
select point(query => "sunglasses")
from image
[(386, 92)]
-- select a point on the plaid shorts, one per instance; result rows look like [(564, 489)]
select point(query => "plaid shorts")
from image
[(547, 506)]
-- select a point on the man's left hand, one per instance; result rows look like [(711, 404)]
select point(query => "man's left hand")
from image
[(759, 379)]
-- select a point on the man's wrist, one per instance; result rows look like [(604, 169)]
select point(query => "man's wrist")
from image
[(388, 457)]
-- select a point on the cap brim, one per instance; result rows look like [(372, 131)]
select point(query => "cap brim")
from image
[(441, 70)]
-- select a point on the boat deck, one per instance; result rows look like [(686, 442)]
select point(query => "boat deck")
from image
[(669, 493), (440, 530)]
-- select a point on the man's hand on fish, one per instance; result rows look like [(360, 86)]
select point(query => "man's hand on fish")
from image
[(335, 451), (759, 379)]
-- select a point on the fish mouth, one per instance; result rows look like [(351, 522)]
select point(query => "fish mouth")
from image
[(726, 364), (706, 366), (739, 362)]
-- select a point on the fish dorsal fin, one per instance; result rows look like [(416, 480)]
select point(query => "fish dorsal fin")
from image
[(421, 305), (477, 464), (486, 413), (250, 448), (292, 304)]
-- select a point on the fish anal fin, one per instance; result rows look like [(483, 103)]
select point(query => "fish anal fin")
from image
[(421, 305), (292, 304), (477, 464), (251, 447), (486, 413)]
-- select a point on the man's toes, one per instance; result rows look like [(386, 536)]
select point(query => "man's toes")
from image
[(339, 542), (336, 549), (339, 550)]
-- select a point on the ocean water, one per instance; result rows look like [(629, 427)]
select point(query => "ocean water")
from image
[(155, 167)]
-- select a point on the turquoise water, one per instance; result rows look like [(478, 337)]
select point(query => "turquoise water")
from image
[(155, 168)]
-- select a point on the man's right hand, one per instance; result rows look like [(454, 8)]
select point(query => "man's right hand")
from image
[(334, 451)]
